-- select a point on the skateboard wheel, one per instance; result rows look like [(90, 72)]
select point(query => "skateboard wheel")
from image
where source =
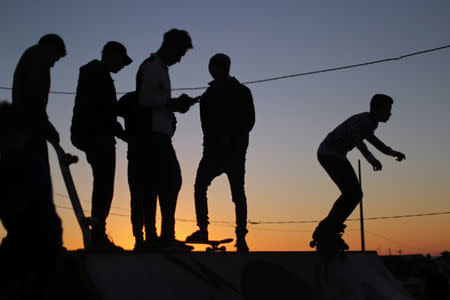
[(209, 249), (223, 249), (312, 244)]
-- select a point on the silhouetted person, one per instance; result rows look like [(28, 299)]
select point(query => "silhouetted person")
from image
[(33, 244), (158, 168), (34, 228), (227, 117), (142, 211), (31, 86), (332, 156), (94, 128)]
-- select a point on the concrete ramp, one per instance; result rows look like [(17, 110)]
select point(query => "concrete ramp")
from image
[(257, 275)]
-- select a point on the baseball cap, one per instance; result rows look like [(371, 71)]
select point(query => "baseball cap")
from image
[(113, 46)]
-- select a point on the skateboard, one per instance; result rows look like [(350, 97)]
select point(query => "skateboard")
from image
[(65, 160), (214, 245)]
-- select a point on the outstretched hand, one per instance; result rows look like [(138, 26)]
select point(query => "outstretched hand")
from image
[(399, 156)]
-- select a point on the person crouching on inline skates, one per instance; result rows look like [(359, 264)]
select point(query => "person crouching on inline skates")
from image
[(327, 237)]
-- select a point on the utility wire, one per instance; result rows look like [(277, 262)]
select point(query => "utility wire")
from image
[(292, 75), (330, 69), (112, 206), (298, 222), (371, 219), (127, 215)]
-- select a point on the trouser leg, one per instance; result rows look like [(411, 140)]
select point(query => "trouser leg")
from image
[(137, 210), (236, 177), (103, 163), (343, 175), (169, 187), (149, 207), (208, 169)]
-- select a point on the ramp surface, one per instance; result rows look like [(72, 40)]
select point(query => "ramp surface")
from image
[(257, 275)]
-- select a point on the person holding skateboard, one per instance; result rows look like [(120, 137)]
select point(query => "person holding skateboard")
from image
[(94, 128), (31, 86), (31, 128), (33, 245), (157, 172), (327, 237), (227, 116)]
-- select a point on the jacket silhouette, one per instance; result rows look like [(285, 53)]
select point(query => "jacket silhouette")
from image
[(226, 109), (95, 112)]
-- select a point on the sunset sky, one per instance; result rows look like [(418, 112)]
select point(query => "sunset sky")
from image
[(284, 181)]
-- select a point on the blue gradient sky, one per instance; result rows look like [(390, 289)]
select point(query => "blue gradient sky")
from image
[(265, 39)]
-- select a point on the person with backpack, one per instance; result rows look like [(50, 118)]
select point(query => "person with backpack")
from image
[(94, 128), (143, 212)]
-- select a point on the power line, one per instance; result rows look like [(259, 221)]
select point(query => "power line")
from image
[(127, 215), (112, 206), (292, 75), (331, 69), (295, 222), (70, 208), (371, 219)]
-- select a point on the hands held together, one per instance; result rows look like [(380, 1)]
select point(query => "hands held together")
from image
[(183, 103)]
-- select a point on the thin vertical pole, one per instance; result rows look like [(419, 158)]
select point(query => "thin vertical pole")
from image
[(363, 245)]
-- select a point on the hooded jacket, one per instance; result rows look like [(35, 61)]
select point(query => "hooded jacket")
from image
[(95, 113), (226, 110)]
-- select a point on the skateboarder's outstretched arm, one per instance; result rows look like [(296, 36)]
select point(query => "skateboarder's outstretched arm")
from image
[(376, 164), (377, 143)]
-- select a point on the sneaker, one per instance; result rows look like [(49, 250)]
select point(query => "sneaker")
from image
[(198, 236), (103, 243), (241, 246)]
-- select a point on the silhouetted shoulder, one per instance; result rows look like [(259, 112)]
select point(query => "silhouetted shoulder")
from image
[(243, 90), (93, 67)]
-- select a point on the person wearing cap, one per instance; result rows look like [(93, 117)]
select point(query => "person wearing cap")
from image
[(156, 170), (227, 116), (94, 128)]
